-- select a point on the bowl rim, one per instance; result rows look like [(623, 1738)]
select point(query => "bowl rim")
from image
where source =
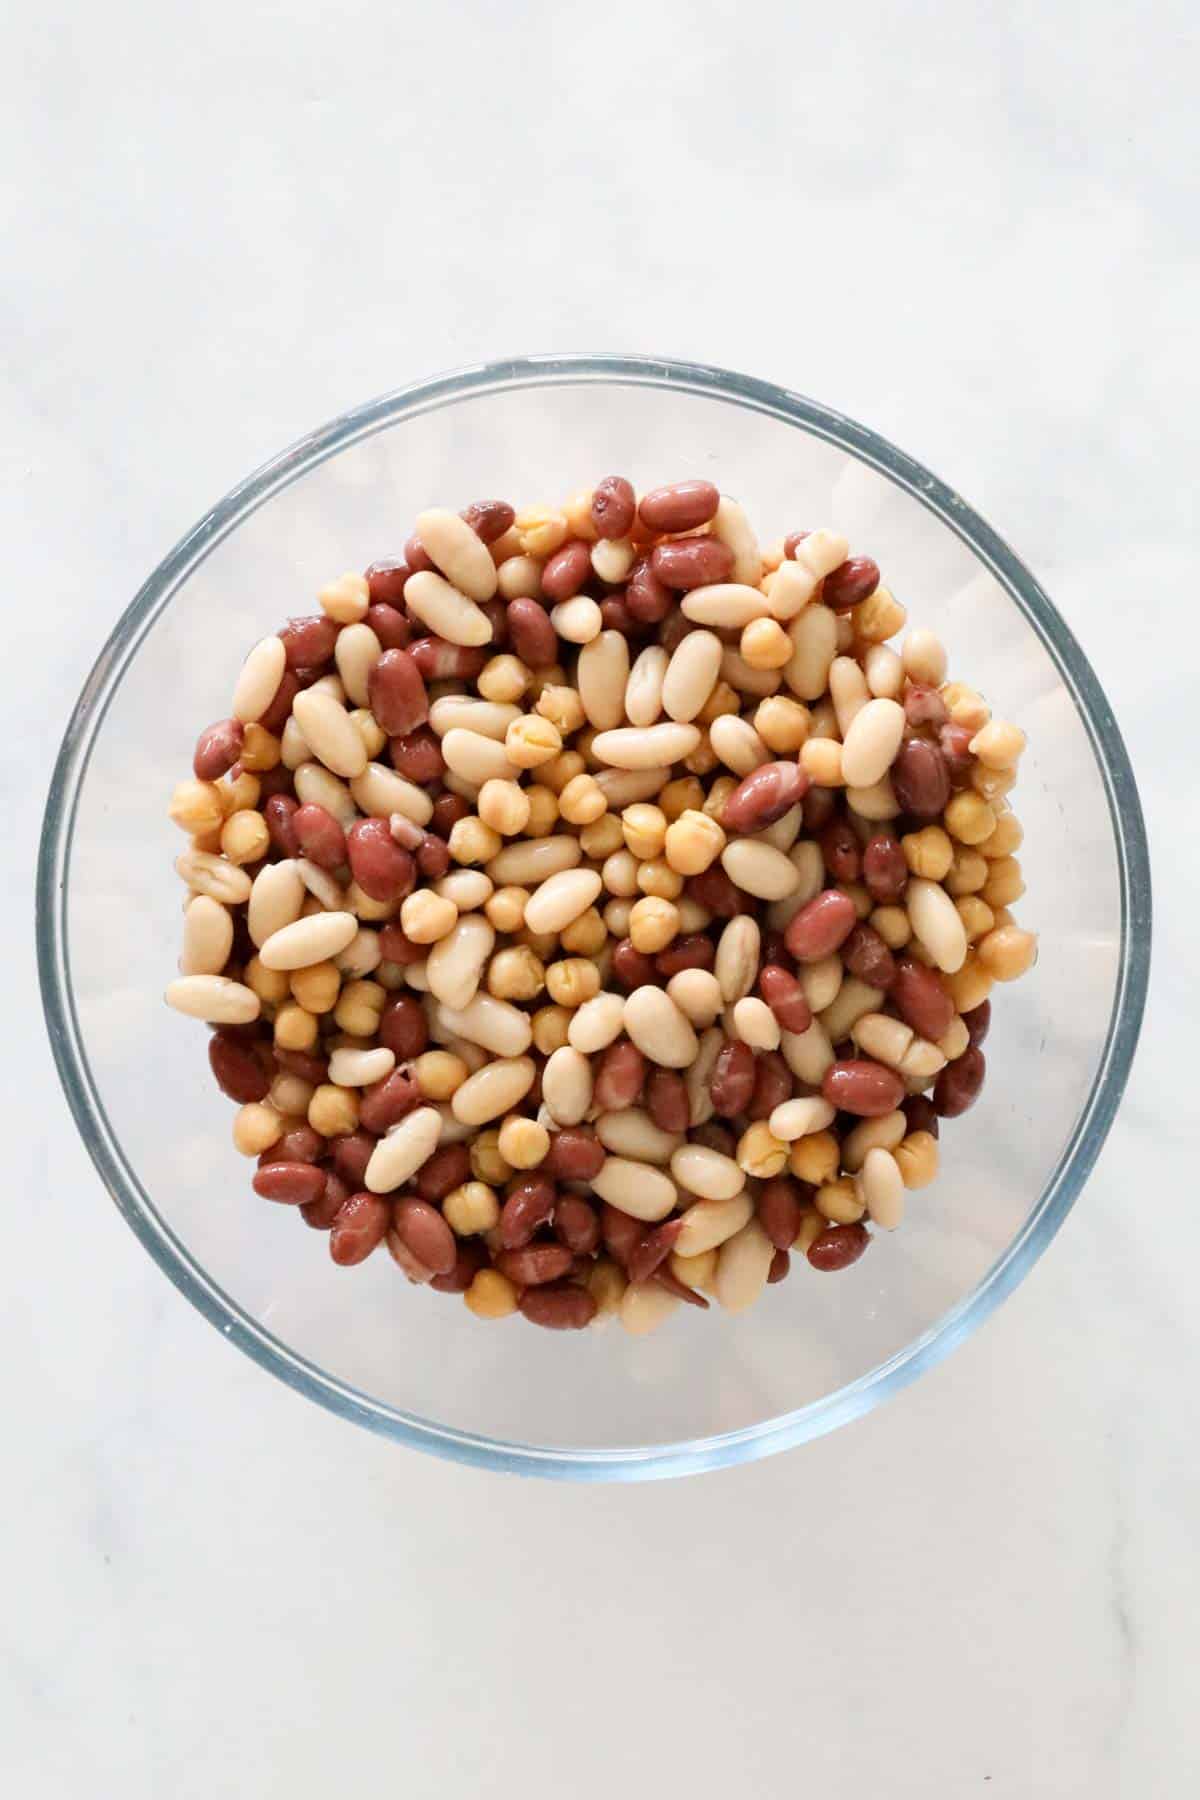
[(627, 1463)]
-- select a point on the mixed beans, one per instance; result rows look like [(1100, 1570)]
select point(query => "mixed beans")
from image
[(596, 909)]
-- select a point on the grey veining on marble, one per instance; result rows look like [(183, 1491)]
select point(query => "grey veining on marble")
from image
[(974, 228)]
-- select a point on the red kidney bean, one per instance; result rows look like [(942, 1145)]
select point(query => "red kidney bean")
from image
[(692, 562), (695, 951), (785, 997), (217, 749), (529, 1203), (924, 706), (780, 1207), (319, 836), (351, 1154), (403, 1028), (821, 927), (616, 616), (396, 690), (385, 582), (960, 1083), (381, 868), (662, 1277), (301, 1063), (621, 1234), (774, 950), (534, 638), (239, 1073), (433, 857), (320, 1214), (438, 660), (471, 1257), (646, 598), (717, 894), (566, 570), (680, 507), (792, 542), (385, 1102), (862, 1087), (276, 715), (884, 869), (732, 1083), (412, 1267), (390, 626), (488, 519), (837, 1247), (866, 955), (308, 642), (920, 779), (272, 783), (619, 1076), (919, 1111), (577, 1224), (633, 968), (535, 1264), (300, 1143), (780, 1269), (575, 1154), (445, 1170), (978, 1022), (279, 812), (667, 1100), (290, 1183), (711, 1136), (448, 809), (840, 850), (558, 1306), (417, 755), (396, 948), (764, 796), (423, 1230), (772, 1085), (850, 582), (360, 1227), (920, 997), (820, 804), (955, 744), (653, 1248), (416, 555), (496, 613), (614, 505)]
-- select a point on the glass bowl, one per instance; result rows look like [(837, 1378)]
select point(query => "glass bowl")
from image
[(709, 1389)]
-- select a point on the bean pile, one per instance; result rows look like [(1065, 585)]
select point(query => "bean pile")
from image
[(596, 910)]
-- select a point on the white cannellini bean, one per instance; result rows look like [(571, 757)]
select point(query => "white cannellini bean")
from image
[(317, 938), (330, 732), (884, 1133), (759, 869), (535, 860), (562, 899), (732, 526), (710, 1222), (259, 679), (736, 963), (490, 718), (814, 646), (578, 620), (597, 1023), (820, 981), (800, 1118), (380, 792), (623, 787), (706, 1173), (213, 876), (881, 1188), (207, 936), (936, 923), (276, 899), (922, 1060), (728, 605), (808, 1054), (633, 1134), (601, 676), (400, 1154), (871, 742), (356, 652), (659, 1029), (784, 832), (698, 1075), (659, 746), (789, 590), (362, 955), (315, 786), (697, 994), (213, 998), (503, 1029), (854, 998), (636, 1188), (493, 1090), (743, 1264), (331, 685), (359, 1068), (477, 758), (691, 675), (321, 885), (737, 743), (567, 1085), (458, 551), (882, 1037), (454, 966), (756, 1025), (876, 803), (884, 671), (848, 690), (822, 551), (613, 558), (468, 888), (643, 690), (645, 1306), (293, 747), (448, 613), (749, 681)]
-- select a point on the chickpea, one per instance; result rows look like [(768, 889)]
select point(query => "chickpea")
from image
[(542, 531), (686, 794), (346, 600), (692, 916), (295, 1029), (861, 896), (660, 879), (519, 577), (426, 917), (333, 1111), (718, 794), (644, 829), (1004, 882), (504, 806), (759, 1153), (993, 784), (652, 924), (584, 746), (543, 811), (317, 987), (918, 1159), (839, 1201), (271, 985), (503, 679), (196, 807), (878, 617), (515, 974), (487, 1164), (241, 795), (359, 1006), (471, 841), (542, 943), (523, 1142), (586, 935), (765, 644), (491, 1295), (968, 874), (703, 759), (561, 770), (578, 514), (969, 986), (255, 1128), (550, 1026), (552, 675), (532, 741), (815, 1158), (290, 1095), (505, 909), (965, 706), (723, 699), (604, 835), (693, 843), (606, 1284), (261, 750), (928, 852), (439, 1074), (582, 801), (976, 915), (969, 818), (891, 922), (823, 720), (616, 917), (782, 724), (563, 707), (821, 760), (924, 657), (1006, 837), (572, 981), (1007, 952), (471, 1208)]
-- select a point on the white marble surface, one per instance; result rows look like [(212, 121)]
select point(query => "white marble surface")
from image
[(972, 227)]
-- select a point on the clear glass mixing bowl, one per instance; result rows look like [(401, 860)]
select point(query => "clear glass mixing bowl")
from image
[(708, 1389)]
